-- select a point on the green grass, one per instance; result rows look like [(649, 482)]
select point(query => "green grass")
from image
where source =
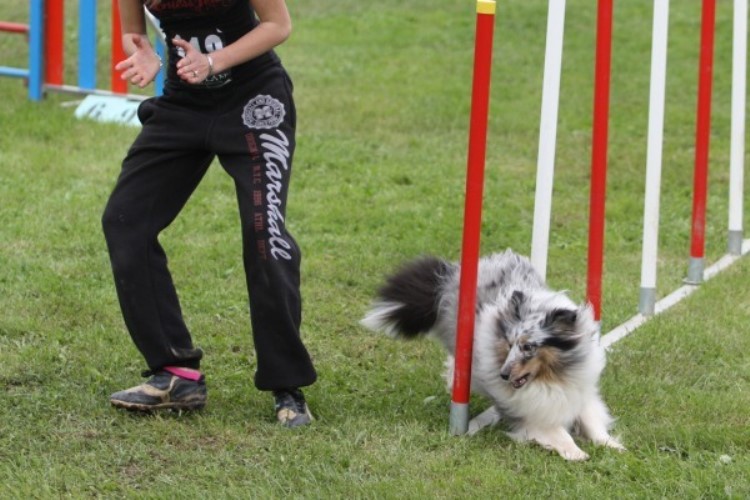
[(383, 100)]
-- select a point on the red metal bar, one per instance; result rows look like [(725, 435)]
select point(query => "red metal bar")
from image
[(473, 204), (7, 27), (703, 129), (599, 155), (118, 85), (54, 41)]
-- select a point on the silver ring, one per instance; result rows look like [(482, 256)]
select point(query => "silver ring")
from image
[(195, 74)]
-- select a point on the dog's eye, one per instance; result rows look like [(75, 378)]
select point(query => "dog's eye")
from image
[(528, 348)]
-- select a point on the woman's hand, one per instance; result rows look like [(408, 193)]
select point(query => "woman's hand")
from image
[(142, 66), (194, 66)]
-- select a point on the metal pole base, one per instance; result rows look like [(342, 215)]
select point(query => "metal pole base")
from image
[(734, 246), (695, 271), (647, 302), (459, 420)]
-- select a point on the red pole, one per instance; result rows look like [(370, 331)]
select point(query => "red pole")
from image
[(702, 136), (118, 85), (7, 27), (54, 41), (472, 214), (599, 155)]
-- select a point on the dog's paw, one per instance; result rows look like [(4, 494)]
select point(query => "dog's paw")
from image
[(609, 442), (574, 455), (487, 418), (475, 427), (615, 444)]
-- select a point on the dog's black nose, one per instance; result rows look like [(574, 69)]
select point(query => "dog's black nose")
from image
[(504, 376)]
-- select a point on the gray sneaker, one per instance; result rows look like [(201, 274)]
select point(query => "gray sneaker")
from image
[(163, 391), (291, 408)]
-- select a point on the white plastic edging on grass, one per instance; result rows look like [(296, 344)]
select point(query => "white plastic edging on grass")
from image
[(647, 302), (630, 325)]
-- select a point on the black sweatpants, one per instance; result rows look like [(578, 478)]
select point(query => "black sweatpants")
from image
[(250, 127)]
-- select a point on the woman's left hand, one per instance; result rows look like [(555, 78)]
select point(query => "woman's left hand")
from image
[(194, 67)]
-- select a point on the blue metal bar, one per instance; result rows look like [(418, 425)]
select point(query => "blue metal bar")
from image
[(14, 72), (160, 45), (36, 49), (87, 44), (159, 83)]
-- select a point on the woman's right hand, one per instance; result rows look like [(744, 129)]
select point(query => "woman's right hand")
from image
[(142, 66)]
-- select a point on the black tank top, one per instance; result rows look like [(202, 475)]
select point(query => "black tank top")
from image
[(209, 25)]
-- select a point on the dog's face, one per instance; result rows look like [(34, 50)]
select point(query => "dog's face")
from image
[(537, 344)]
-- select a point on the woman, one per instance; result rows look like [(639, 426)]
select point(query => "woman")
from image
[(227, 96)]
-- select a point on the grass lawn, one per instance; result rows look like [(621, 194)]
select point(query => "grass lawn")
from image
[(382, 93)]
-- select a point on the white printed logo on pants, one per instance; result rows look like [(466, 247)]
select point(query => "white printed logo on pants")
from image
[(263, 112)]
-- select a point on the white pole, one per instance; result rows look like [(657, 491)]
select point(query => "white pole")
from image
[(654, 157), (547, 135), (737, 150)]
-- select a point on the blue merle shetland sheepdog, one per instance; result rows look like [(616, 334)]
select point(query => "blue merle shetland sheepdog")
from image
[(536, 356)]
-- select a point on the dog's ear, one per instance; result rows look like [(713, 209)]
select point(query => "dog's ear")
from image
[(501, 326), (516, 300), (561, 319), (562, 331)]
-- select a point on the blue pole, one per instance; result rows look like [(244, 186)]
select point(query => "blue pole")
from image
[(36, 49), (159, 83), (87, 44)]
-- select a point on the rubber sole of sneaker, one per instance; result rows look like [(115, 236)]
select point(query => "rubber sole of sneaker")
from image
[(183, 406), (290, 419)]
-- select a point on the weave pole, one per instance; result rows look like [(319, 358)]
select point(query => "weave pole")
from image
[(599, 155), (737, 148), (702, 138), (545, 170), (647, 302), (480, 96)]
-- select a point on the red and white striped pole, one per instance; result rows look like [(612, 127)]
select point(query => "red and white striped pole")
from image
[(480, 96), (702, 136), (599, 155)]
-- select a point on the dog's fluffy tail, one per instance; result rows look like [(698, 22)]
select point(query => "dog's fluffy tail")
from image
[(408, 303)]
